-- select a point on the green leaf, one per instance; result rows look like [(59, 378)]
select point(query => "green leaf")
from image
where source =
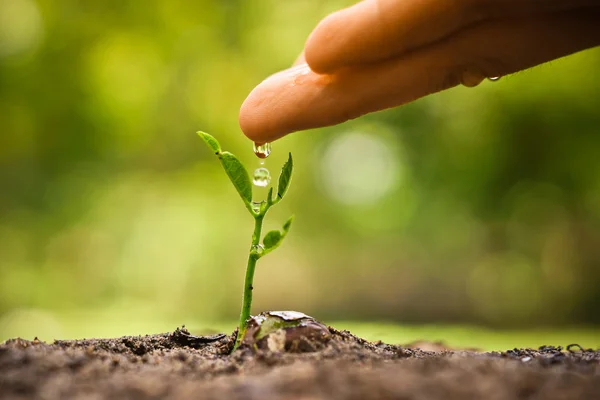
[(287, 225), (272, 239), (238, 175), (285, 177), (211, 142)]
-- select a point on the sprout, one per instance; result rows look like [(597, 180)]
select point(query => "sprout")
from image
[(241, 181)]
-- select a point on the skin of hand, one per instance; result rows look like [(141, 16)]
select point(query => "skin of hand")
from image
[(379, 54)]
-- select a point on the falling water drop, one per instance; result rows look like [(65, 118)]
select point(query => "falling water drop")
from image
[(262, 150), (262, 177), (493, 78)]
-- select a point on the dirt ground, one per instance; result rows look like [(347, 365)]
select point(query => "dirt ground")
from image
[(180, 366)]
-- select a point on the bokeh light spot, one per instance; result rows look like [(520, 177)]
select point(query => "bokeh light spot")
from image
[(20, 26), (359, 168)]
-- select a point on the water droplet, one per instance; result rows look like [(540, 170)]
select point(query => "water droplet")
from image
[(300, 75), (471, 78), (256, 205), (262, 177), (493, 78), (262, 162), (262, 150), (259, 249), (301, 79)]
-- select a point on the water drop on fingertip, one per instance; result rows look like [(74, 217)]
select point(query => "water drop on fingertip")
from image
[(493, 78), (261, 177), (262, 150)]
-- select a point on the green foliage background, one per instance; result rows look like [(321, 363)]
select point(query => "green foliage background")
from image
[(478, 206)]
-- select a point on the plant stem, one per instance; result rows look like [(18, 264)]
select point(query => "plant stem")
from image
[(247, 299)]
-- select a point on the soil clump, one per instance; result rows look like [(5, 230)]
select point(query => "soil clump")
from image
[(179, 365)]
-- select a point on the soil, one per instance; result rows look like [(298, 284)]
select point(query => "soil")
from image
[(179, 365)]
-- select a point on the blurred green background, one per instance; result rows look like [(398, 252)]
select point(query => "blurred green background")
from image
[(476, 207)]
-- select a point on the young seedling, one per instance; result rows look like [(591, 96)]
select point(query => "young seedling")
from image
[(241, 181)]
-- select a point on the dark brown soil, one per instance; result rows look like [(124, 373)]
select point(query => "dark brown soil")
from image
[(181, 366)]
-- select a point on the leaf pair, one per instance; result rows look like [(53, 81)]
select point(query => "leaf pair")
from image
[(239, 176)]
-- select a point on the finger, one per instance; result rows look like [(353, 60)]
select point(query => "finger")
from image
[(298, 98), (375, 30)]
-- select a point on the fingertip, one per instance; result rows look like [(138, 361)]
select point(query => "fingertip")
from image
[(319, 47), (345, 38), (254, 121), (263, 113), (289, 101)]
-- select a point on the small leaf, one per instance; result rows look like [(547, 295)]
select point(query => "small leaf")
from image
[(287, 225), (285, 177), (211, 142), (238, 175), (272, 239), (270, 195)]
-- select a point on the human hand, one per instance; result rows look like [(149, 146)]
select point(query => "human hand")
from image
[(379, 54)]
